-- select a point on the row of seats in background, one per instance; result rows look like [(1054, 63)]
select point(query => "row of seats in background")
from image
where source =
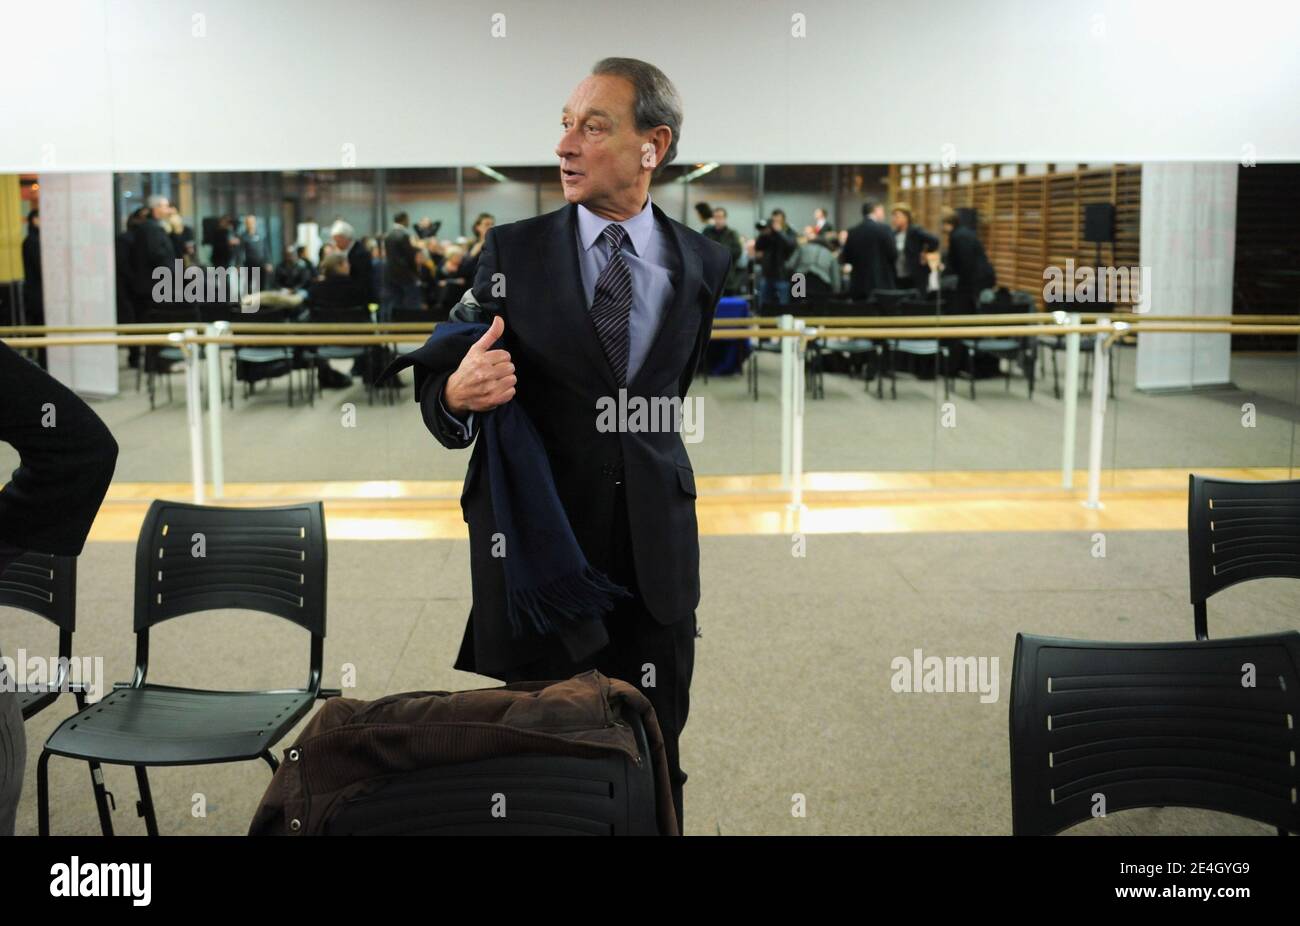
[(1197, 723), (300, 365), (879, 359)]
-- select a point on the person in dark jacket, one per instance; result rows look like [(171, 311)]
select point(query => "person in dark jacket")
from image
[(33, 290), (360, 263), (224, 242), (772, 248), (401, 286), (870, 251), (151, 249), (293, 272), (912, 243), (719, 231), (482, 225), (967, 259), (66, 461), (124, 264)]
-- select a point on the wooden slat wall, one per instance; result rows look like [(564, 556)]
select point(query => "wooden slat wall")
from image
[(1029, 223)]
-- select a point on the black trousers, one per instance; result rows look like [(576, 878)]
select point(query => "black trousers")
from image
[(659, 660)]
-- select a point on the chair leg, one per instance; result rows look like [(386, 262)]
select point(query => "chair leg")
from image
[(271, 761), (145, 805), (102, 794), (1056, 379), (43, 794), (102, 798), (970, 356)]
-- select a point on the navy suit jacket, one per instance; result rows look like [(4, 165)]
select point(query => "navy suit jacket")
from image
[(528, 272)]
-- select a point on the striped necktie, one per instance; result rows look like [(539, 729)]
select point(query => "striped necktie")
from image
[(611, 303)]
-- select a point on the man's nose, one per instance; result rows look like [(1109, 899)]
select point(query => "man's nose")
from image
[(567, 146)]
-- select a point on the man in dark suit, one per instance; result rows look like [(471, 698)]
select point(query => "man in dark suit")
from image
[(401, 288), (869, 250), (911, 243), (605, 298), (360, 264), (151, 250), (967, 259)]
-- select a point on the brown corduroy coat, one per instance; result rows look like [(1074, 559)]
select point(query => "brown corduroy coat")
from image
[(350, 742)]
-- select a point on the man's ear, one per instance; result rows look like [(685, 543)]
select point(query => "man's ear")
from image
[(648, 158)]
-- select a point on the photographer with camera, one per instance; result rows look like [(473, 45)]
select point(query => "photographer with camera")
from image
[(772, 248)]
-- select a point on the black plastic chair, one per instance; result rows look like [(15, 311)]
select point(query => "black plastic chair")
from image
[(270, 560), (364, 357), (1021, 350), (549, 796), (1239, 530), (46, 585), (251, 365), (1154, 725), (163, 361)]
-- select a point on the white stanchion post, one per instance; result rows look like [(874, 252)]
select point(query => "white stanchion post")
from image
[(1071, 398), (786, 322), (1100, 385), (212, 353), (193, 407), (796, 419)]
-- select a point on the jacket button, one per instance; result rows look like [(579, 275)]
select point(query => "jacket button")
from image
[(295, 825), (293, 755)]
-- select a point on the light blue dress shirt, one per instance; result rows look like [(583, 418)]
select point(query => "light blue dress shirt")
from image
[(653, 264)]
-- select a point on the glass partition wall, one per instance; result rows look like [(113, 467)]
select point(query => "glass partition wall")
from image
[(877, 412)]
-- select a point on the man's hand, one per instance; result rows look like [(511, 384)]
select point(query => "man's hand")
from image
[(484, 379)]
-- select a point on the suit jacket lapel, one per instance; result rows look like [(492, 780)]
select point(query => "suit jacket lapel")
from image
[(684, 297), (564, 275)]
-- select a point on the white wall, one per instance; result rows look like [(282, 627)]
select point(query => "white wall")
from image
[(145, 84)]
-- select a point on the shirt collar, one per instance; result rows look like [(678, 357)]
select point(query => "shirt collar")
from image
[(638, 227)]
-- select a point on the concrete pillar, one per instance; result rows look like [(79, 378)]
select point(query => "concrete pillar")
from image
[(1188, 240), (78, 269)]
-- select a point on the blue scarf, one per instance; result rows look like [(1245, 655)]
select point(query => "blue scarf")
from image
[(550, 586)]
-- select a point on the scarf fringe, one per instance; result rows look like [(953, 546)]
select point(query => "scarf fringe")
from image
[(581, 596)]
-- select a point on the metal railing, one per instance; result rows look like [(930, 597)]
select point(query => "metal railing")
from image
[(794, 335)]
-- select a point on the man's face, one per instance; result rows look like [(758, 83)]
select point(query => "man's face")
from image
[(599, 150), (341, 242), (719, 219), (878, 213), (162, 210), (778, 220), (899, 220), (250, 223)]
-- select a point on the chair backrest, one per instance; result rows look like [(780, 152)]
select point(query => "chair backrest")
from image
[(45, 585), (1112, 726), (192, 558), (332, 314), (1237, 531), (891, 297)]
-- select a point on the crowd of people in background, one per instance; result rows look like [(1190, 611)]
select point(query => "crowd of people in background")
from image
[(409, 268), (404, 269), (876, 254)]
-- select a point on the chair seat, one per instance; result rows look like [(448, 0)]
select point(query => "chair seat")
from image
[(338, 353), (850, 345), (261, 354), (992, 344), (171, 353), (159, 725), (924, 347)]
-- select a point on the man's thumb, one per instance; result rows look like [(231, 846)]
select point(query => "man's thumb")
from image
[(492, 335)]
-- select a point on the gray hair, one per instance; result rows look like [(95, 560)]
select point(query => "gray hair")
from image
[(156, 200), (343, 230), (656, 103)]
